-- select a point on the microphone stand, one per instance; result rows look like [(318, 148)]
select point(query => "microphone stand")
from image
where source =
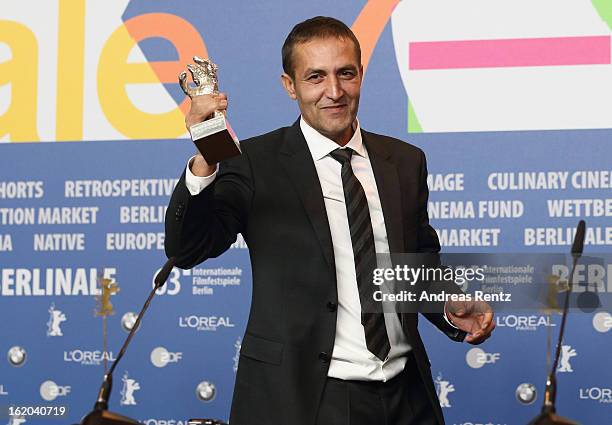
[(100, 415), (548, 415)]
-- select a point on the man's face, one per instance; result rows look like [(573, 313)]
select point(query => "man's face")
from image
[(326, 84)]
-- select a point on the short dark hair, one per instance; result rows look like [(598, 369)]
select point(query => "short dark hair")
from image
[(317, 27)]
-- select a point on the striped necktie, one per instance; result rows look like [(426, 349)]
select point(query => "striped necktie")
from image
[(362, 238)]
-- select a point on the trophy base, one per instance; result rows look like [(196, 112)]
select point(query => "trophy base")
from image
[(214, 140)]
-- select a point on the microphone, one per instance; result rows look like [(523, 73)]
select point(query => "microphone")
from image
[(548, 415), (165, 271), (100, 414), (578, 245)]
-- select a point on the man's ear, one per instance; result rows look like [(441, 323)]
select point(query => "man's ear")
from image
[(289, 85)]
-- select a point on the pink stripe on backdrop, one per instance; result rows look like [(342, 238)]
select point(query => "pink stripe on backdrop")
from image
[(587, 50)]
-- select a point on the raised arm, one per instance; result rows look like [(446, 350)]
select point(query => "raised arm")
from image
[(204, 218)]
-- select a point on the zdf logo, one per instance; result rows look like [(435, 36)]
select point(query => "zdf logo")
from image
[(49, 390), (602, 321), (160, 357), (477, 358), (172, 285)]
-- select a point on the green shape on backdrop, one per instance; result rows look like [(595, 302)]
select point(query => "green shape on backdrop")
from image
[(414, 126), (604, 8)]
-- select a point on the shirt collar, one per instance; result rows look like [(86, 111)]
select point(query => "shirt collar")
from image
[(321, 146)]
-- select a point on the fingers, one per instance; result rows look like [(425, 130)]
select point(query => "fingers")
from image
[(476, 339), (222, 104), (487, 324), (459, 308), (487, 321), (207, 101), (221, 101), (203, 106)]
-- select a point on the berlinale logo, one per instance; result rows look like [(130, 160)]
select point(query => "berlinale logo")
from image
[(56, 317), (477, 358), (205, 323), (567, 352), (443, 388), (130, 386)]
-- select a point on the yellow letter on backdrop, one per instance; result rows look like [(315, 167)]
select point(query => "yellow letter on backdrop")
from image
[(21, 72), (70, 63)]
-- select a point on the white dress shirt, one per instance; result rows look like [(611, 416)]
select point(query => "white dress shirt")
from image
[(351, 358)]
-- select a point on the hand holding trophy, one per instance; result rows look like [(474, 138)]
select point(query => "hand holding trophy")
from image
[(212, 136)]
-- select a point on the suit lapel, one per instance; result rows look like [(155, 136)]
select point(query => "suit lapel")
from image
[(388, 185), (299, 166), (297, 162)]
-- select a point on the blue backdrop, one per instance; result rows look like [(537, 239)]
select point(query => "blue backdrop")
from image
[(51, 259)]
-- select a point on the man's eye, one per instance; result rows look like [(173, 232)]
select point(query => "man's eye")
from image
[(314, 77), (347, 74)]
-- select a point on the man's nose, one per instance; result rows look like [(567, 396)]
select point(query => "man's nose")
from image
[(334, 89)]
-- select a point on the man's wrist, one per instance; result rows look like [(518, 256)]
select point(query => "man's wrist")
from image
[(200, 168), (190, 123), (196, 184)]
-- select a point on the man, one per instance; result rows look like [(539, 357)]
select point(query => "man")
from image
[(314, 201)]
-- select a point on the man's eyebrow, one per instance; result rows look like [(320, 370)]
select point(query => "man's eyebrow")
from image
[(349, 67), (314, 71)]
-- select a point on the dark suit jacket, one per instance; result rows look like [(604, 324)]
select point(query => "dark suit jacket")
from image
[(271, 194)]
